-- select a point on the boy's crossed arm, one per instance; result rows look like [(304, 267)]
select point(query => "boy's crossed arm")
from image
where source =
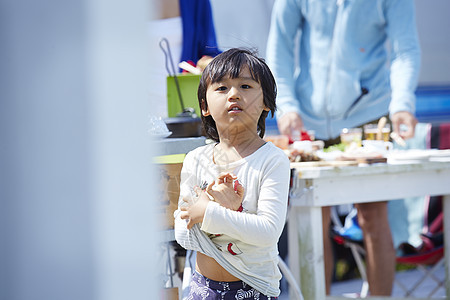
[(228, 192)]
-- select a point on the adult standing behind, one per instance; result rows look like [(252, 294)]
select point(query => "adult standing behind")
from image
[(334, 69)]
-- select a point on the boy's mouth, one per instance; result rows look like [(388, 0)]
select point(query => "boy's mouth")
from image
[(234, 108)]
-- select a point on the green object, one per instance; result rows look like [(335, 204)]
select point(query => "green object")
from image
[(188, 87), (337, 147)]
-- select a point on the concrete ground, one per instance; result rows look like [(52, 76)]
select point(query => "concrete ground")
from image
[(351, 288)]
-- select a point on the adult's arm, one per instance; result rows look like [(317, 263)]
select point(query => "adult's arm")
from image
[(285, 25), (405, 66)]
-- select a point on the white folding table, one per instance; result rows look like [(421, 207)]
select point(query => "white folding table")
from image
[(314, 187)]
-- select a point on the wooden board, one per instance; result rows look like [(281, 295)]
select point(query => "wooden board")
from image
[(339, 163), (365, 160), (168, 191), (323, 163)]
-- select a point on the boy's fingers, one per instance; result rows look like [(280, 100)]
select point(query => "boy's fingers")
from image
[(226, 177), (210, 186), (189, 224), (184, 215), (197, 190), (240, 191), (238, 188), (236, 184), (221, 179)]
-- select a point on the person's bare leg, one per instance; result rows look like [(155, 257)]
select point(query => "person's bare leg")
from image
[(380, 252), (327, 250)]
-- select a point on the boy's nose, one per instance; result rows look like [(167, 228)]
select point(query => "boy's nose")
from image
[(233, 93)]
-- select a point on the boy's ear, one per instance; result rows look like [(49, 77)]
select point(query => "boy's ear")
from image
[(205, 110), (266, 108)]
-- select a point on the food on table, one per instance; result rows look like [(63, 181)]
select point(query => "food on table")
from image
[(298, 155)]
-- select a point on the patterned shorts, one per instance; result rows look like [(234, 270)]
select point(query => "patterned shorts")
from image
[(202, 288)]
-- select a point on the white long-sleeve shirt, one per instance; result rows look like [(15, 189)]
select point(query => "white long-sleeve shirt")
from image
[(244, 243)]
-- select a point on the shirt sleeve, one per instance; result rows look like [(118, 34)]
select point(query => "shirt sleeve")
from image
[(264, 227), (405, 66), (286, 23), (185, 237)]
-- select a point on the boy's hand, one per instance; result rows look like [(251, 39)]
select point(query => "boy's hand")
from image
[(226, 193), (195, 212)]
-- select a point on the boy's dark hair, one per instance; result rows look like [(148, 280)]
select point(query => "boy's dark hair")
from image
[(230, 64)]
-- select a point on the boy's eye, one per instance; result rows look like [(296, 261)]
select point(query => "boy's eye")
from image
[(221, 88), (245, 86)]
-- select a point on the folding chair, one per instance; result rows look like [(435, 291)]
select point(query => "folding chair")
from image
[(427, 257), (354, 243)]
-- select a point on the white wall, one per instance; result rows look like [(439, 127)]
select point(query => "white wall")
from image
[(433, 24), (76, 197), (242, 23)]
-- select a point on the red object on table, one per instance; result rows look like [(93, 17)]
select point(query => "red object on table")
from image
[(304, 136)]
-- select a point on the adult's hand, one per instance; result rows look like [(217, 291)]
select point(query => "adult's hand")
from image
[(204, 61), (290, 122), (407, 119)]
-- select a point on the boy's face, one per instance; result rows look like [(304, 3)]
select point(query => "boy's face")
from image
[(235, 101)]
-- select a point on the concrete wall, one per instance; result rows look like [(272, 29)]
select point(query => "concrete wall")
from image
[(77, 205)]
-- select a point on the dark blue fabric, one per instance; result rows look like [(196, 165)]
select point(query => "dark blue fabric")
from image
[(202, 288), (199, 37)]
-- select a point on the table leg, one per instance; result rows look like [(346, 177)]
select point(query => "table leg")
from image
[(293, 257), (306, 251)]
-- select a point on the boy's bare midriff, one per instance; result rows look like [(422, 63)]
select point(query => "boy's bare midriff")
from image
[(209, 268)]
